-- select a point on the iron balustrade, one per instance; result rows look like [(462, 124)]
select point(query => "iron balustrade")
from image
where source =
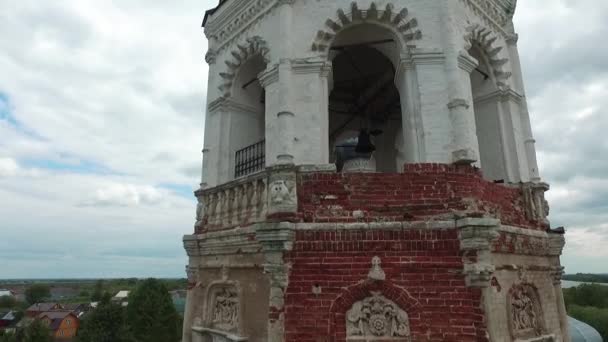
[(250, 159)]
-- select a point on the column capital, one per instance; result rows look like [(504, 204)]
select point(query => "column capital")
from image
[(466, 62), (311, 66)]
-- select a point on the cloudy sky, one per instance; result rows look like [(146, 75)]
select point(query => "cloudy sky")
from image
[(101, 119)]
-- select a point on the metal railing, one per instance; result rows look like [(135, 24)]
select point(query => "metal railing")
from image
[(250, 159)]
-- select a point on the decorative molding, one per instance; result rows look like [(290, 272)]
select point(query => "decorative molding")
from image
[(377, 318), (301, 66), (476, 236), (387, 17), (535, 204), (230, 23), (254, 46), (482, 38), (489, 12), (457, 103), (500, 95), (466, 62), (225, 104), (556, 244)]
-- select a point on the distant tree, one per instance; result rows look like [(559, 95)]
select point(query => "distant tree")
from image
[(37, 293), (97, 291), (105, 324), (38, 331), (151, 315), (7, 302)]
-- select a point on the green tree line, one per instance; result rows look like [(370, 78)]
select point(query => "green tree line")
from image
[(589, 303)]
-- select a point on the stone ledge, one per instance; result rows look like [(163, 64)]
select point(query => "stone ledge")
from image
[(223, 336)]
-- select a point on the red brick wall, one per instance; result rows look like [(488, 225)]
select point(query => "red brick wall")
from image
[(424, 276), (422, 191)]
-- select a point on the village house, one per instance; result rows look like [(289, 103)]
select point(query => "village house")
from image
[(8, 321), (36, 309), (63, 324)]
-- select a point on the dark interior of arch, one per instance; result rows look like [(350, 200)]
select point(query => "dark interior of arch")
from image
[(364, 96)]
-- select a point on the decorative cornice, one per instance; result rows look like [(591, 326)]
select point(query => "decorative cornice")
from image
[(500, 95), (232, 20), (269, 76), (398, 20), (311, 66), (466, 62), (226, 104)]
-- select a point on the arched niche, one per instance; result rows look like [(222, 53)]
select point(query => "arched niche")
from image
[(487, 82), (246, 127), (364, 96)]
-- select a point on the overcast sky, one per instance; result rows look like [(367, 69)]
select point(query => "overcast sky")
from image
[(101, 121)]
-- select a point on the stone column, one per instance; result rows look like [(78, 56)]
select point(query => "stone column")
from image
[(309, 100), (462, 113), (276, 239), (529, 141), (211, 149), (425, 102), (413, 143)]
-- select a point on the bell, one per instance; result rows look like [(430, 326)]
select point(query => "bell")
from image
[(364, 143)]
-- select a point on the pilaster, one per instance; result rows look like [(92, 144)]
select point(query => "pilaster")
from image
[(428, 112), (276, 239)]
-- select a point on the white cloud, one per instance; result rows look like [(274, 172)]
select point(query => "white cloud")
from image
[(125, 195), (8, 167)]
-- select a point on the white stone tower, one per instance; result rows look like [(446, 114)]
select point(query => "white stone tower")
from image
[(337, 131)]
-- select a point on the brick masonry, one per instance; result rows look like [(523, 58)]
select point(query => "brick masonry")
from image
[(423, 275), (422, 192)]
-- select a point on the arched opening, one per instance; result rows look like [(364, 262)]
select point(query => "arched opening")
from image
[(364, 103), (487, 116), (247, 127)]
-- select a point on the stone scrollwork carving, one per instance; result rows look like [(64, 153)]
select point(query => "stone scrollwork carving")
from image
[(377, 319), (525, 312)]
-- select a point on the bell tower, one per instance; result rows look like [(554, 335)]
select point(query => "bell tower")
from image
[(369, 174)]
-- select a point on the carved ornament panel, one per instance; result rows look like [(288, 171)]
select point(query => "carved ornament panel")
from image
[(376, 318), (526, 318)]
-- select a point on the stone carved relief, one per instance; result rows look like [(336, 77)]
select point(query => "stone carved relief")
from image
[(376, 272), (253, 46), (282, 195), (376, 319), (525, 312), (224, 309), (225, 314), (192, 274), (387, 16), (484, 39)]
